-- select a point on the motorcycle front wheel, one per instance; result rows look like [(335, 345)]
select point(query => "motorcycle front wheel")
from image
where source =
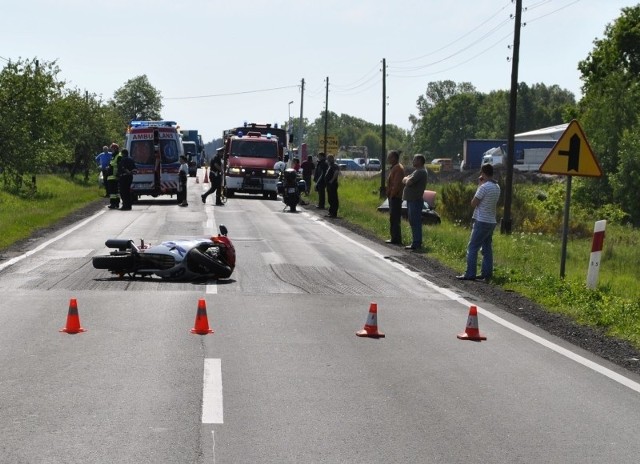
[(117, 263), (199, 262)]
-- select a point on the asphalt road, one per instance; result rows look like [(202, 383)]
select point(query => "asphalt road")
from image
[(283, 378)]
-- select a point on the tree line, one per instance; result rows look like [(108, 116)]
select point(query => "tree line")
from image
[(46, 126)]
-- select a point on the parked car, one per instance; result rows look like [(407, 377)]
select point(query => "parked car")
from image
[(346, 164), (373, 164), (446, 164), (429, 214)]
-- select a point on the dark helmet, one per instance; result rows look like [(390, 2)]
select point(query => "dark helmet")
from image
[(290, 175)]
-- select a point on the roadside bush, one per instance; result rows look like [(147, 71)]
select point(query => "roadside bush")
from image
[(456, 202)]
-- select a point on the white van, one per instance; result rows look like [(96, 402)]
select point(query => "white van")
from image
[(494, 156)]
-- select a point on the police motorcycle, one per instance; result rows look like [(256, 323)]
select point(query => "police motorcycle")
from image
[(183, 260), (289, 185)]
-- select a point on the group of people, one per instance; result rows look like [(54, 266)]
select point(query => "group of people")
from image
[(411, 189), (117, 169), (324, 173), (325, 177)]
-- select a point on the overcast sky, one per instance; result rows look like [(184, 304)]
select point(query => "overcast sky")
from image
[(219, 63)]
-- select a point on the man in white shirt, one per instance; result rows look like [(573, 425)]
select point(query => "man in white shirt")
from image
[(485, 202)]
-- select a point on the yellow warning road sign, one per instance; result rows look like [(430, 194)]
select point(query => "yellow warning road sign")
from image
[(572, 155), (332, 144)]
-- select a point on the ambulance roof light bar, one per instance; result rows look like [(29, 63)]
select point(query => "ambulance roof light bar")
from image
[(153, 124)]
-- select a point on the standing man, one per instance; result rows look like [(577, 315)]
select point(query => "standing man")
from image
[(126, 169), (394, 196), (112, 179), (103, 159), (183, 174), (215, 177), (319, 179), (485, 203), (331, 179), (307, 172), (413, 192)]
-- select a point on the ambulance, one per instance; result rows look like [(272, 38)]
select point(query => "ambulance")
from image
[(156, 147)]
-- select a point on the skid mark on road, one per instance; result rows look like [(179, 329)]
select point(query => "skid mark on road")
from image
[(318, 280)]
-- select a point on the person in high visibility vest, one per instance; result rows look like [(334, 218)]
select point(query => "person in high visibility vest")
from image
[(112, 179)]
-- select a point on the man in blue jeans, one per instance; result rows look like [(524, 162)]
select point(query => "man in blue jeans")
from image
[(485, 203), (412, 193)]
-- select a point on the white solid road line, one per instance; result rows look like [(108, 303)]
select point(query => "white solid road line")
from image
[(497, 319), (12, 261), (212, 392)]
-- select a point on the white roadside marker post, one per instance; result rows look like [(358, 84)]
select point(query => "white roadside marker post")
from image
[(596, 251)]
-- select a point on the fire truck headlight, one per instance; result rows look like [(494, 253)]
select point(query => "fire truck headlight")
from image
[(271, 172), (235, 170)]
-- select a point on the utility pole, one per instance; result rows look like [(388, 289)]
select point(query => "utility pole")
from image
[(289, 131), (383, 156), (326, 116), (300, 128), (505, 225)]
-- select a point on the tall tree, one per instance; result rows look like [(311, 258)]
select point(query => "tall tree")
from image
[(447, 115), (29, 126), (138, 99), (88, 125), (611, 77)]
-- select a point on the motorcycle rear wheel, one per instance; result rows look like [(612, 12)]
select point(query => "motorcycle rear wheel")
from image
[(116, 263)]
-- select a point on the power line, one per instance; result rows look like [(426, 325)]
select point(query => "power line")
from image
[(457, 65), (354, 84), (346, 91), (552, 12), (458, 39), (232, 93), (417, 68)]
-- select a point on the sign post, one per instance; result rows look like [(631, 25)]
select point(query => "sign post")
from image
[(570, 156)]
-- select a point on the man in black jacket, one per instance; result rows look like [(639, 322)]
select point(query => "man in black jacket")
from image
[(126, 170), (319, 179), (215, 178)]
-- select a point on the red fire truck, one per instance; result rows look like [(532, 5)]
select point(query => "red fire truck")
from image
[(250, 153)]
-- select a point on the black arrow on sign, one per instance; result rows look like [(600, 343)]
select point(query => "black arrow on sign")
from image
[(573, 153)]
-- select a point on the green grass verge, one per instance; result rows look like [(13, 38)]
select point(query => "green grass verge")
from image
[(56, 197)]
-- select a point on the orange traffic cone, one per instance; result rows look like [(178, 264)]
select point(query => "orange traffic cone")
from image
[(73, 319), (206, 176), (472, 332), (371, 325), (201, 326)]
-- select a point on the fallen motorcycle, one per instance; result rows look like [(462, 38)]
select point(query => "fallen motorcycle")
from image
[(186, 259)]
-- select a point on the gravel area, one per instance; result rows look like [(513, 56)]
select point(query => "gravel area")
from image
[(616, 351)]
